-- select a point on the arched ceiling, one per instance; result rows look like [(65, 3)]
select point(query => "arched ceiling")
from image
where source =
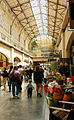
[(39, 17)]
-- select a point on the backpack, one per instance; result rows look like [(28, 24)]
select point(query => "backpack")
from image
[(11, 76)]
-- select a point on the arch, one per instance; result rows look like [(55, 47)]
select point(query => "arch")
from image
[(71, 39), (16, 60), (3, 60)]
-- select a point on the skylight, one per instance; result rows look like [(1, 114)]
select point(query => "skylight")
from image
[(40, 10)]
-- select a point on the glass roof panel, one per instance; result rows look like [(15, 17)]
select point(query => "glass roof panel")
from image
[(40, 10), (45, 15)]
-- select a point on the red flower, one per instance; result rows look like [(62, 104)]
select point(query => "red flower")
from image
[(47, 90)]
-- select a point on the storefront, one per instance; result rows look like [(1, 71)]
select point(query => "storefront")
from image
[(72, 59), (16, 60), (3, 61)]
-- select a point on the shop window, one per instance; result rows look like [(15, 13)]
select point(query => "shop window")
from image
[(3, 61), (16, 60)]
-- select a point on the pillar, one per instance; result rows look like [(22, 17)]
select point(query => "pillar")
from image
[(63, 45), (12, 56), (23, 58), (67, 53), (29, 60)]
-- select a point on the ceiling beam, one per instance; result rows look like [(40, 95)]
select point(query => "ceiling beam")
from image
[(55, 26), (55, 3), (19, 5), (55, 16), (25, 16), (16, 18)]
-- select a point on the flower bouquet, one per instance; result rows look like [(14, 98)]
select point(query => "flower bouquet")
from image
[(60, 79)]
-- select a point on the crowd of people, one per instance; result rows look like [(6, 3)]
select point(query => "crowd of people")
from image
[(14, 76)]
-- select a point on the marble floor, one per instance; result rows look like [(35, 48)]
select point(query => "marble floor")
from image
[(34, 108)]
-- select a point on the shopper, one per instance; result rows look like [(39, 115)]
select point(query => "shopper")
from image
[(21, 71), (15, 80), (9, 81), (0, 77), (38, 78), (67, 70), (30, 71), (25, 75), (5, 75), (62, 69), (45, 75), (29, 89)]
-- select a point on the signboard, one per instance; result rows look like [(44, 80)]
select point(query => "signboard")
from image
[(71, 11), (1, 64)]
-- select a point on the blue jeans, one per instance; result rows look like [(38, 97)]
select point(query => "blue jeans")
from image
[(15, 84)]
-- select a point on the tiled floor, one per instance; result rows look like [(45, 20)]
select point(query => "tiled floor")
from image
[(23, 108)]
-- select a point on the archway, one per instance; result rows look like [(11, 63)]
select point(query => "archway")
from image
[(16, 60), (3, 61), (71, 39), (70, 53)]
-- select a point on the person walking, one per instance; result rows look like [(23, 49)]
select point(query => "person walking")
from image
[(45, 75), (38, 78), (0, 77), (30, 73), (9, 81), (15, 81), (29, 89), (21, 71), (5, 75)]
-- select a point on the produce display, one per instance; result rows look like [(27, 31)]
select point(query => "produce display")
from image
[(56, 91)]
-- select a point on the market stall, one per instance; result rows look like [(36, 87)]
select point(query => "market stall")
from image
[(59, 94)]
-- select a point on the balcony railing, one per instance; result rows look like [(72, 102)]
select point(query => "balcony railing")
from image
[(10, 39)]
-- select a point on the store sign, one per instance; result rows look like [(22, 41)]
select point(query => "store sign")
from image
[(71, 11), (1, 64)]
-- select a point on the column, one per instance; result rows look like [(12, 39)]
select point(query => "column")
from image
[(67, 53), (63, 45), (12, 56), (23, 58), (29, 60)]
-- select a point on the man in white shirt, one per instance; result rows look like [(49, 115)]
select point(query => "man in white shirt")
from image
[(45, 75)]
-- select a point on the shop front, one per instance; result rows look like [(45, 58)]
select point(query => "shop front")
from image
[(3, 61), (72, 60)]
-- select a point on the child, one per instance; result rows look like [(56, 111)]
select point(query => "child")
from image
[(29, 89)]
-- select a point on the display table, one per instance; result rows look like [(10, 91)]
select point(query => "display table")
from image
[(58, 111)]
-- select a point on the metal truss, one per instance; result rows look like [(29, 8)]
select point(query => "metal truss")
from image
[(49, 23)]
